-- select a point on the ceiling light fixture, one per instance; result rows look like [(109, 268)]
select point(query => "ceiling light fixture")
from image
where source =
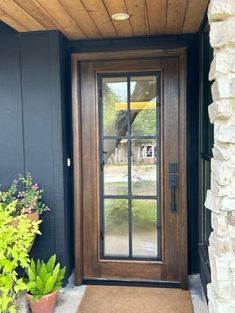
[(120, 16)]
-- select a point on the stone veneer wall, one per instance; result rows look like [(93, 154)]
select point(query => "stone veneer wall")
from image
[(221, 198)]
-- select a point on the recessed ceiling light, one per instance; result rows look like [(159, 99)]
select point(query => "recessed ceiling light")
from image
[(120, 16)]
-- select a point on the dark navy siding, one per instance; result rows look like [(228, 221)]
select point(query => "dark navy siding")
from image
[(33, 79)]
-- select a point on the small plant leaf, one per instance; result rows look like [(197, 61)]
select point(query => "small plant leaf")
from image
[(40, 285), (51, 263), (49, 285)]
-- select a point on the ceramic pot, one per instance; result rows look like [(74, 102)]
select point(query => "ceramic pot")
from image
[(44, 305)]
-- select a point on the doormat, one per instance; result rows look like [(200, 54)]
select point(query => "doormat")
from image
[(113, 299)]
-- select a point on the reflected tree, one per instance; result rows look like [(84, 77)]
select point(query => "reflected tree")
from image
[(144, 91)]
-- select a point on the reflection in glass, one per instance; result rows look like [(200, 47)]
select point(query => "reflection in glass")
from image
[(130, 165), (115, 156), (116, 242), (144, 228), (114, 92), (143, 167), (143, 105)]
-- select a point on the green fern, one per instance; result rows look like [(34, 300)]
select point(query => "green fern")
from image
[(60, 276), (44, 278), (43, 272), (38, 266), (51, 263), (33, 268), (49, 285)]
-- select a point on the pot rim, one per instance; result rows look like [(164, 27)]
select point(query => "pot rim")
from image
[(29, 296)]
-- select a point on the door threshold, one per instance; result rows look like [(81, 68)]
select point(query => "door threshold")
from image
[(132, 283)]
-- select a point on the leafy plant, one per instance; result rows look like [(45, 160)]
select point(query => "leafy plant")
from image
[(15, 241), (29, 197), (6, 197), (44, 278)]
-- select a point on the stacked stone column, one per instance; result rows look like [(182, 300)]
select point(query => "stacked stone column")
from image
[(221, 197)]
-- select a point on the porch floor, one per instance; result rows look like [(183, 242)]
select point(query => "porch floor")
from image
[(71, 296)]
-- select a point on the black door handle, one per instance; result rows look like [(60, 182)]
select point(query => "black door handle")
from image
[(173, 182), (173, 202)]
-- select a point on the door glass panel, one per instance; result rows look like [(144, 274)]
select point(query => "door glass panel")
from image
[(116, 242), (143, 167), (144, 228), (114, 94), (143, 105), (115, 156), (130, 166)]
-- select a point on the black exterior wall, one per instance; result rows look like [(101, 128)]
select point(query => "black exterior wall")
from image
[(206, 140), (35, 124), (34, 110)]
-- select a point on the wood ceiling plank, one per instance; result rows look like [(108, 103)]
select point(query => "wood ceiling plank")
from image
[(64, 22), (123, 28), (137, 11), (33, 8), (176, 11), (12, 22), (19, 14), (194, 15), (81, 17), (100, 16), (157, 12)]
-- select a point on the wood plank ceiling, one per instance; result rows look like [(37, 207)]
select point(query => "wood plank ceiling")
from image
[(80, 19)]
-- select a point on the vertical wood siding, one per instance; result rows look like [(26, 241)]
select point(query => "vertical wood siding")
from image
[(32, 136)]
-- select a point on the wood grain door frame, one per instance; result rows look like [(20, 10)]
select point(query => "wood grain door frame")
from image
[(77, 58)]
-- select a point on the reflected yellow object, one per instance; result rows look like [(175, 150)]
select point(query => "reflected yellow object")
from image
[(120, 106)]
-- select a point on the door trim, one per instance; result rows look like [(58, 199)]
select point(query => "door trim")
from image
[(77, 58)]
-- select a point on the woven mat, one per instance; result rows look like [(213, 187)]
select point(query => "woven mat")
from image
[(112, 299)]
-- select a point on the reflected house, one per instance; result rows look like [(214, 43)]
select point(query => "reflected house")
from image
[(140, 153), (143, 120)]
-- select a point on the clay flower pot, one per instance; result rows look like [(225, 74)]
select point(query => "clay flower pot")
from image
[(33, 217), (44, 305)]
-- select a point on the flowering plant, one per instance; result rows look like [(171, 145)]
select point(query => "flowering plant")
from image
[(29, 199)]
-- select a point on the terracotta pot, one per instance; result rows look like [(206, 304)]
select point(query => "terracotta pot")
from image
[(44, 305), (33, 217)]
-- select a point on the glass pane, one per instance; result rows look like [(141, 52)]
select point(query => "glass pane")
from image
[(114, 106), (116, 241), (144, 228), (144, 168), (143, 105), (115, 158)]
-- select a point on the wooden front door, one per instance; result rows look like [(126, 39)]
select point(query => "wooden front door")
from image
[(132, 170)]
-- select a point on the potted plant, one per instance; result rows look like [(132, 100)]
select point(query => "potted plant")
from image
[(28, 200), (29, 197), (14, 244), (44, 281)]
